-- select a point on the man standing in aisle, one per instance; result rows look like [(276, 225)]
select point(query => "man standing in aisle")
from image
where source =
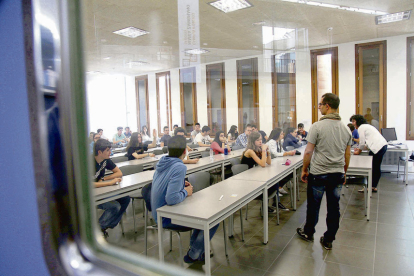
[(328, 151)]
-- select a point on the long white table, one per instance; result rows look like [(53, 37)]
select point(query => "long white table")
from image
[(401, 148)]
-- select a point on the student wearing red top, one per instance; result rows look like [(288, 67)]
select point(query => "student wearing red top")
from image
[(217, 145)]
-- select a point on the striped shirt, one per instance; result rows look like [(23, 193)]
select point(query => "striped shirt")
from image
[(242, 140)]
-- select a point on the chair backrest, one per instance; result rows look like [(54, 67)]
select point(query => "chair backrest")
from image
[(235, 161), (147, 142), (237, 147), (236, 169), (131, 169), (119, 159), (193, 146), (165, 149), (199, 180), (289, 148), (205, 153), (158, 152), (146, 195)]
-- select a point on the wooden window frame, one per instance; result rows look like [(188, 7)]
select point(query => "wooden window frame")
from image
[(219, 67), (192, 70), (145, 79), (314, 75), (409, 133), (254, 63), (292, 81), (359, 84), (168, 102)]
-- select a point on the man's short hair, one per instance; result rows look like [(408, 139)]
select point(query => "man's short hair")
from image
[(359, 119), (119, 128), (99, 130), (253, 126), (290, 130), (95, 135), (101, 145), (179, 129), (177, 146), (300, 125), (248, 125), (175, 126), (205, 129), (165, 127), (126, 128), (331, 99), (351, 126), (197, 124)]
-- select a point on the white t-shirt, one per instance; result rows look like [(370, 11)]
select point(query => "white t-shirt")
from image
[(275, 148), (203, 139), (370, 136), (145, 138)]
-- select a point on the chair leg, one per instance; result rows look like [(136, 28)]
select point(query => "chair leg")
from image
[(146, 230), (181, 249), (170, 241), (143, 207), (291, 193), (247, 209), (277, 207), (297, 185), (133, 214), (122, 226), (404, 172), (241, 223), (398, 168), (225, 240)]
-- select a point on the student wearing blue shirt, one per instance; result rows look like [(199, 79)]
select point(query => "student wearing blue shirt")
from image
[(355, 135), (291, 139), (169, 188)]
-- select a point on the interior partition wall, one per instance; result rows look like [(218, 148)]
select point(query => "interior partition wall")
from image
[(410, 88), (216, 98), (163, 86), (371, 82), (141, 94), (188, 98), (247, 93)]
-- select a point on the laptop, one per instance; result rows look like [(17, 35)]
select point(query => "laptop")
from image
[(389, 134)]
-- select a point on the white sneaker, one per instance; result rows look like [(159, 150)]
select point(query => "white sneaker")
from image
[(280, 194), (282, 191)]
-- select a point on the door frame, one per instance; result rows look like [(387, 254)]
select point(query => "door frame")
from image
[(220, 67)]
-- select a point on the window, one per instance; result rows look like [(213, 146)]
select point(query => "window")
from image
[(248, 92), (216, 98), (141, 93), (188, 94), (284, 90), (410, 88), (371, 86), (163, 83), (324, 73)]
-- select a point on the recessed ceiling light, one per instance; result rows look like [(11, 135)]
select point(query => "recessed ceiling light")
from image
[(196, 51), (325, 5), (136, 63), (276, 33), (106, 58), (260, 23), (392, 17), (205, 44), (255, 47), (230, 5), (165, 42), (131, 32)]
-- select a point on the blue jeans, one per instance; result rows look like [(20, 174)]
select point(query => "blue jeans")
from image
[(113, 212), (197, 238), (317, 185)]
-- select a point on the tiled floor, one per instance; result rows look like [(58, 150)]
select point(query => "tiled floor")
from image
[(382, 246)]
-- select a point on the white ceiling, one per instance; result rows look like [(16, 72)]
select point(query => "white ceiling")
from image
[(226, 36)]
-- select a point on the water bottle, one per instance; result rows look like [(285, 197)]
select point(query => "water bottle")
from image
[(211, 153)]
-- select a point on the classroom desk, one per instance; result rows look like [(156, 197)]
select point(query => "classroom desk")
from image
[(204, 209), (401, 148)]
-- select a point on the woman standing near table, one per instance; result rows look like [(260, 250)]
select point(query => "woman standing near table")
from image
[(136, 148)]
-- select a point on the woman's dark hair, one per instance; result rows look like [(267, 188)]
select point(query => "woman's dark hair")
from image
[(147, 132), (290, 130), (99, 130), (176, 146), (263, 136), (359, 119), (101, 145), (275, 134), (179, 129), (205, 129), (351, 127), (134, 142), (232, 131), (217, 137)]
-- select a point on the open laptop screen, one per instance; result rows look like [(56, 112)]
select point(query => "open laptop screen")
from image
[(389, 134)]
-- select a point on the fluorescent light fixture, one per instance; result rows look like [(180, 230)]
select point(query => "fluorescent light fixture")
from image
[(392, 17), (230, 5), (196, 51), (136, 63), (275, 33), (106, 58), (131, 32), (332, 6)]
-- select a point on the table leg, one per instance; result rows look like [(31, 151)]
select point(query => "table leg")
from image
[(294, 190), (231, 226), (222, 171), (207, 249), (406, 168), (369, 193), (265, 217), (160, 232)]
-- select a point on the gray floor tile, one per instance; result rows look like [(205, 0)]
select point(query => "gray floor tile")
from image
[(353, 239), (295, 265), (395, 246), (255, 256), (329, 269), (276, 241), (394, 210), (359, 226), (352, 256), (237, 269), (298, 246), (406, 221), (391, 264), (395, 231)]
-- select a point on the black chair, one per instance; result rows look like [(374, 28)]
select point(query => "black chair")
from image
[(165, 149), (158, 152), (237, 147), (119, 159), (205, 153), (193, 146)]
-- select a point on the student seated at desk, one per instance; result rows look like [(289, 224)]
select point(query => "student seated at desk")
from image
[(170, 188), (355, 135), (166, 137), (113, 210), (127, 133), (203, 138), (136, 148), (100, 131), (119, 138), (291, 139), (257, 153), (145, 134), (219, 143), (96, 137), (301, 132), (195, 131), (181, 132), (232, 134), (370, 138), (242, 138)]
